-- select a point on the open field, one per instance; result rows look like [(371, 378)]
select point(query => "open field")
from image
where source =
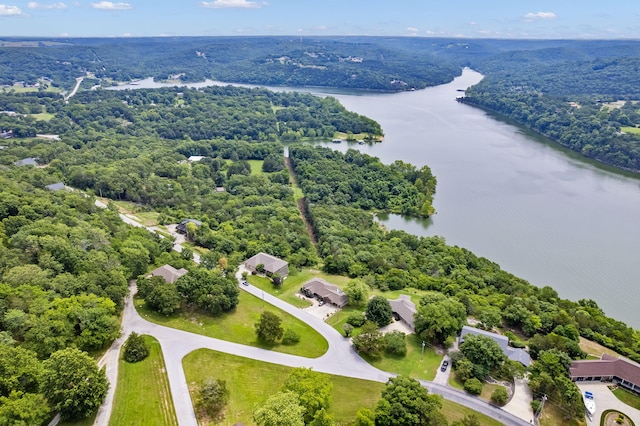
[(410, 364), (595, 349), (632, 130), (251, 382), (239, 326), (143, 396), (256, 167)]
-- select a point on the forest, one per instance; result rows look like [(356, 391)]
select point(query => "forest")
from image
[(65, 263)]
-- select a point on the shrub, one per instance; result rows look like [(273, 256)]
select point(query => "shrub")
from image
[(473, 386), (348, 329), (395, 343), (356, 319), (500, 396), (290, 337), (212, 398), (135, 348)]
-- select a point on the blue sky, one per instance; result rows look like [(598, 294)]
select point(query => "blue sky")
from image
[(585, 19)]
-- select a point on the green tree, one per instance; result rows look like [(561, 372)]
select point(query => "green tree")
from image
[(405, 402), (19, 408), (209, 290), (438, 320), (379, 311), (280, 409), (269, 328), (395, 343), (313, 390), (370, 341), (73, 384), (473, 386), (20, 370), (135, 348), (348, 329), (358, 292), (163, 298), (468, 420), (500, 396), (212, 397), (484, 352), (290, 337)]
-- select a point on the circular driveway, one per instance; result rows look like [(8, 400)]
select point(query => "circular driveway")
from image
[(606, 400)]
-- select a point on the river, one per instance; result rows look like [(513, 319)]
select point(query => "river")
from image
[(542, 213)]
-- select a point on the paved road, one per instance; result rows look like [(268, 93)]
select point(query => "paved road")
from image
[(75, 88), (340, 359)]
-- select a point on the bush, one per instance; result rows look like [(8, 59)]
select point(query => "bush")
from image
[(535, 405), (473, 386), (395, 343), (135, 348), (212, 398), (500, 396), (356, 319), (290, 337)]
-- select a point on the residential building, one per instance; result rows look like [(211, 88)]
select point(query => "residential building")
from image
[(514, 354), (272, 265), (325, 291)]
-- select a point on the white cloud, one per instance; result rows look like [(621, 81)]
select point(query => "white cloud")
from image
[(413, 29), (241, 4), (107, 5), (64, 35), (540, 16), (6, 10), (36, 5)]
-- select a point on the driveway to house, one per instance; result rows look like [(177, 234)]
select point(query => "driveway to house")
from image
[(606, 400), (340, 359), (520, 403)]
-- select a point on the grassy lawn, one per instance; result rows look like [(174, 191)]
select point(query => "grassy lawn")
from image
[(339, 319), (43, 116), (552, 416), (256, 167), (239, 326), (487, 390), (632, 130), (628, 398), (595, 349), (251, 382), (143, 387), (410, 364), (454, 382)]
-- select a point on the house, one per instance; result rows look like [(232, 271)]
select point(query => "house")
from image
[(26, 162), (272, 265), (514, 354), (58, 186), (322, 290), (182, 226), (607, 369), (404, 310), (195, 158), (169, 273)]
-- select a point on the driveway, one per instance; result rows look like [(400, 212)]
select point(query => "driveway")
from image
[(606, 400), (323, 311), (520, 403)]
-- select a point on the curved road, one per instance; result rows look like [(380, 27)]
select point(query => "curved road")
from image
[(340, 359)]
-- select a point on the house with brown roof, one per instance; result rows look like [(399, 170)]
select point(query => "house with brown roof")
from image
[(327, 292), (272, 265), (404, 309), (607, 369), (169, 273)]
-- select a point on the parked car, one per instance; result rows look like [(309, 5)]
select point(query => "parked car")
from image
[(445, 364), (244, 282)]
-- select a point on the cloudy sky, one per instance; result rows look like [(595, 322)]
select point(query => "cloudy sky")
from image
[(426, 18)]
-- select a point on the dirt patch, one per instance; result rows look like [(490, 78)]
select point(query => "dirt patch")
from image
[(595, 349)]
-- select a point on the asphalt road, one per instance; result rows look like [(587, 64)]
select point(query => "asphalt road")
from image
[(340, 359)]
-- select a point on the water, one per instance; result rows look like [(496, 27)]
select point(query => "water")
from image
[(541, 212)]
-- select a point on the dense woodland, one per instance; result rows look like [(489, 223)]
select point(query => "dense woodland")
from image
[(64, 263)]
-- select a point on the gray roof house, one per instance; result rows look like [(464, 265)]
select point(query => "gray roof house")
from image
[(514, 354), (272, 264), (182, 226), (58, 186), (404, 310), (26, 162), (169, 273), (608, 368), (321, 289)]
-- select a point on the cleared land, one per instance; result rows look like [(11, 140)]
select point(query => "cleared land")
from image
[(629, 129), (251, 382), (143, 396), (239, 326)]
